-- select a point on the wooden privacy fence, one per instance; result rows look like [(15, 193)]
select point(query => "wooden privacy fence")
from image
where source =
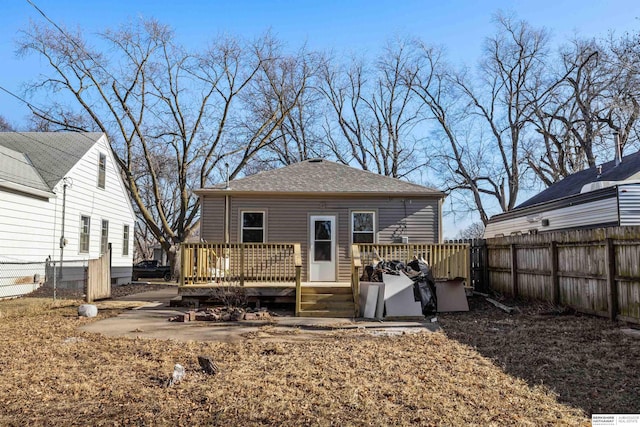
[(447, 260), (594, 271), (99, 277), (237, 263)]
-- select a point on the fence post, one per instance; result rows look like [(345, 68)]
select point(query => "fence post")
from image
[(484, 260), (555, 280), (612, 289), (514, 270)]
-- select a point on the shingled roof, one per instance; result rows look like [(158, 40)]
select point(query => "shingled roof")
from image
[(322, 176), (52, 154), (572, 184)]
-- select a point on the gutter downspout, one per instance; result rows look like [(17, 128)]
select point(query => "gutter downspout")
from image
[(226, 218)]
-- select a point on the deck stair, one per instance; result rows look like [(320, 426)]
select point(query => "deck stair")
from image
[(326, 301)]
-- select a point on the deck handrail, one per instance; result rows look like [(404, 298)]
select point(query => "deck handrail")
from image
[(356, 264), (234, 264), (447, 260)]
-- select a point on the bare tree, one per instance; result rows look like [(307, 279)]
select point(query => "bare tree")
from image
[(375, 113), (482, 121), (5, 126), (172, 116), (597, 97), (472, 231)]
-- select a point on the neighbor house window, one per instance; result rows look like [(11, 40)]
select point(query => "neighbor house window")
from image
[(85, 227), (252, 227), (102, 170), (125, 240), (104, 237), (363, 227)]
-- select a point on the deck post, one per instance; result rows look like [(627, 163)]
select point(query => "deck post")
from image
[(297, 259), (183, 264), (356, 263)]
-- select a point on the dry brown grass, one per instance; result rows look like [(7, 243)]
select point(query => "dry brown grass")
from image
[(585, 360), (55, 375)]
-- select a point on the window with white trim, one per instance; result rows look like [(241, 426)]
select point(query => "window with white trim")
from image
[(125, 240), (252, 230), (363, 227), (104, 237), (102, 170), (85, 229)]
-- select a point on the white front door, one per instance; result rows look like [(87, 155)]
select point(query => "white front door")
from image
[(322, 248)]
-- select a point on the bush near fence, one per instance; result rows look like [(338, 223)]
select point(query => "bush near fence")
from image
[(595, 271)]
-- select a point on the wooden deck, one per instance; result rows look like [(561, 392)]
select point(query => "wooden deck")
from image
[(272, 271)]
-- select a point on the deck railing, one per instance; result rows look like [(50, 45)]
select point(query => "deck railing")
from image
[(235, 264), (447, 260)]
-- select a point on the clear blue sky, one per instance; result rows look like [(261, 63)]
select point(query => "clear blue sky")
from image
[(346, 26)]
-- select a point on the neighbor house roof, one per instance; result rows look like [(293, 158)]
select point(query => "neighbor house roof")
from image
[(321, 176), (52, 154), (16, 168), (571, 185)]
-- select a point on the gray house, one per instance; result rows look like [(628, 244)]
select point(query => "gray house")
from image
[(324, 206), (603, 196)]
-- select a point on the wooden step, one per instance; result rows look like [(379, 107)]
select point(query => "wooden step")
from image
[(324, 305), (327, 297), (326, 301), (326, 313), (306, 290)]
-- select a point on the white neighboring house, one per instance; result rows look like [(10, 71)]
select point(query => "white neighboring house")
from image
[(34, 167), (603, 196)]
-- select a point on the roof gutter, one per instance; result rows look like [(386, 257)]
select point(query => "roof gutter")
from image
[(225, 192)]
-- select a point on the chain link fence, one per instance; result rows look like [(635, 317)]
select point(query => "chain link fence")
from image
[(47, 279)]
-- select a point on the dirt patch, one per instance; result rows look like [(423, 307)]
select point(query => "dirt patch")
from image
[(54, 374), (586, 360)]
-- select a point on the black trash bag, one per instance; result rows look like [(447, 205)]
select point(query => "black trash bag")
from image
[(424, 287), (426, 296), (421, 266)]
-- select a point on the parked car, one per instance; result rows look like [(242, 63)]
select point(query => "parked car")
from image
[(150, 269)]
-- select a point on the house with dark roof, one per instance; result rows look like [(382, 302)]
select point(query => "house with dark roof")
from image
[(603, 196), (60, 189), (325, 206)]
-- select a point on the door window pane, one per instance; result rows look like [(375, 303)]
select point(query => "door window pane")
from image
[(323, 230), (322, 251)]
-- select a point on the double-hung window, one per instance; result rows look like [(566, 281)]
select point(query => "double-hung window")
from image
[(85, 229), (363, 227), (102, 170), (104, 237), (125, 240), (252, 227)]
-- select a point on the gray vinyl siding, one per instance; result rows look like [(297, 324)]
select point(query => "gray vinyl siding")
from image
[(287, 220), (212, 219)]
